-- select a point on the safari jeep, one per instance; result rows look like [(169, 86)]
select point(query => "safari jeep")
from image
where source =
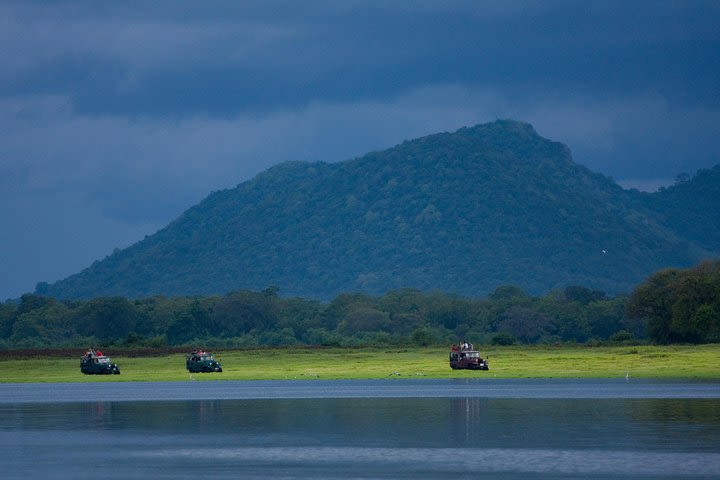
[(201, 362), (95, 363), (461, 358)]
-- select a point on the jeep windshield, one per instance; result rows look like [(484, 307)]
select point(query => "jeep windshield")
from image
[(205, 358), (103, 360)]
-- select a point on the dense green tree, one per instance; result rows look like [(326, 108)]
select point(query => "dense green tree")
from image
[(583, 295), (570, 323), (407, 309), (606, 317), (240, 312), (671, 306), (155, 314), (342, 305), (526, 325), (680, 305), (299, 314), (107, 318), (195, 322), (652, 302), (8, 314), (364, 319), (30, 302), (423, 336), (47, 325), (707, 320), (28, 326), (447, 311)]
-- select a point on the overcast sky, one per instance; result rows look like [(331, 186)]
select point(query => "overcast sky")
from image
[(115, 117)]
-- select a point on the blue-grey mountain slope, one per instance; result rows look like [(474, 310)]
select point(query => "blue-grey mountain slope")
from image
[(461, 212)]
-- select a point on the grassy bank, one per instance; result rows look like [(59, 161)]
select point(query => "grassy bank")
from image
[(694, 362)]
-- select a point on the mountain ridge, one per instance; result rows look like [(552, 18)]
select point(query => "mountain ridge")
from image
[(463, 212)]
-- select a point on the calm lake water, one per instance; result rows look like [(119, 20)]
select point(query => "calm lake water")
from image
[(527, 429)]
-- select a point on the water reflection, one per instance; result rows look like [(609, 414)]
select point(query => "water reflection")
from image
[(363, 438), (414, 421)]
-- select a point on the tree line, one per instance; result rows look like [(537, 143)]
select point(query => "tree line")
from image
[(673, 305)]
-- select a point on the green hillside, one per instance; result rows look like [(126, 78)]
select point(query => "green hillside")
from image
[(461, 212), (691, 208)]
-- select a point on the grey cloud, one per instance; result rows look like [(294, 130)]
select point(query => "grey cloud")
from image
[(263, 57), (630, 137)]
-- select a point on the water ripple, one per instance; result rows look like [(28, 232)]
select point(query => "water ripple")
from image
[(498, 460)]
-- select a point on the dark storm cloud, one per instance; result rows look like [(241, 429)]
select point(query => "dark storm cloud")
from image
[(117, 116), (289, 54)]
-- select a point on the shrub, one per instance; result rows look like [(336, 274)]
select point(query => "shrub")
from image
[(622, 336), (423, 337)]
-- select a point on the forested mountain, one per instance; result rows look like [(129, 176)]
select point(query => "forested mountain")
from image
[(691, 207), (461, 212)]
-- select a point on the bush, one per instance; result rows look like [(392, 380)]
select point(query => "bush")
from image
[(423, 337), (321, 337), (622, 336)]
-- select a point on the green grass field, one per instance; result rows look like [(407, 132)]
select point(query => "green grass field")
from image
[(691, 362)]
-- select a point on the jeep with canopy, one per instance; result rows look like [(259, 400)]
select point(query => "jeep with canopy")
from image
[(95, 363), (199, 361), (464, 356)]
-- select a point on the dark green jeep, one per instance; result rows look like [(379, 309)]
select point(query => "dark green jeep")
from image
[(95, 363), (201, 362)]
